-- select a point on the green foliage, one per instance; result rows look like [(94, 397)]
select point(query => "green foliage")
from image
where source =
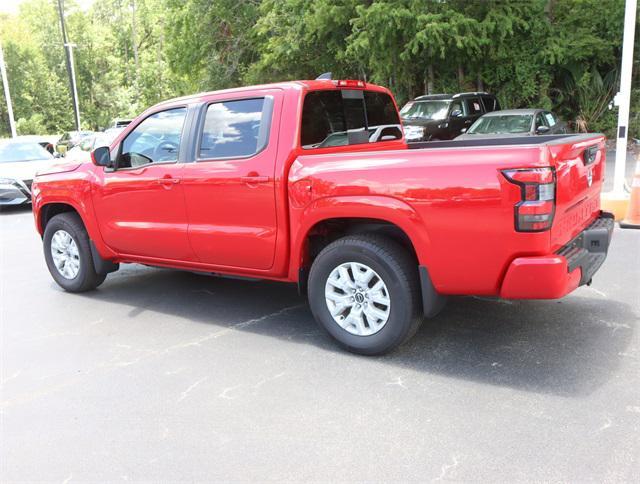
[(559, 54)]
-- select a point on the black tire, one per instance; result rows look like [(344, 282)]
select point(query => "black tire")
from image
[(86, 279), (399, 271)]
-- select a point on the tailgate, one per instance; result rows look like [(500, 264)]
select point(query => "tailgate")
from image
[(579, 162)]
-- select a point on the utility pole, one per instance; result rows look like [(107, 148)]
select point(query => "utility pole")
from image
[(623, 97), (7, 95), (134, 41), (70, 69)]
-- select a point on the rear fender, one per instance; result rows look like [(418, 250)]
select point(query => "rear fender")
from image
[(386, 209)]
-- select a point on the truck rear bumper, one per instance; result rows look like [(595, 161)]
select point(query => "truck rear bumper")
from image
[(556, 275)]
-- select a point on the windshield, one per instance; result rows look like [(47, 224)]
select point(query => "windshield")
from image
[(425, 110), (12, 152), (507, 123)]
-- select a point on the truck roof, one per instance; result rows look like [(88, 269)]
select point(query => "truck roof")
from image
[(286, 85)]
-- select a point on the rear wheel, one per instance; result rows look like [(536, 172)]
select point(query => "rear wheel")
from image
[(68, 254), (364, 291)]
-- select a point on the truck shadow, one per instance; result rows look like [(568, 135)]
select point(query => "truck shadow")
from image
[(13, 209), (569, 347)]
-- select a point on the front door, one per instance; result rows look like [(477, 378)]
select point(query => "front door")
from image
[(458, 118), (230, 188), (140, 205)]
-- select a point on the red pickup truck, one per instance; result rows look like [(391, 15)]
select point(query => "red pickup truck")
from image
[(312, 182)]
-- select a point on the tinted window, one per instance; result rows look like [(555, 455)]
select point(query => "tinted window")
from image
[(156, 139), (490, 103), (473, 106), (380, 109), (346, 117), (322, 116), (235, 129)]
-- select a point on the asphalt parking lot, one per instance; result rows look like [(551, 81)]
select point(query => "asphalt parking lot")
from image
[(166, 375)]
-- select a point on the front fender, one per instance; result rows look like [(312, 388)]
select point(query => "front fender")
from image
[(76, 194), (383, 208)]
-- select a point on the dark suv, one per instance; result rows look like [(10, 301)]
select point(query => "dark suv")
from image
[(444, 116)]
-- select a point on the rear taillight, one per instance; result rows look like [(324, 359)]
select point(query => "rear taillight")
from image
[(534, 212)]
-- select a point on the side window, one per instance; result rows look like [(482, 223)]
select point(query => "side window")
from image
[(490, 103), (154, 140), (540, 121), (457, 106), (474, 107), (235, 129), (551, 120)]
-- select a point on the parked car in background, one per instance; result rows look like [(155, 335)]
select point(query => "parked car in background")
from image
[(376, 233), (19, 162), (515, 122), (46, 141), (120, 123), (71, 139), (444, 116), (82, 151)]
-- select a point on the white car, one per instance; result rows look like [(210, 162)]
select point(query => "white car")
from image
[(19, 162), (82, 151)]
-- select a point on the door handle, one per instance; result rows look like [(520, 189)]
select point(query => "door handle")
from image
[(168, 180), (254, 179)]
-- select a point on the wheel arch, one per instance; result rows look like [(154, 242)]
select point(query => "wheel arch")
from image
[(329, 218)]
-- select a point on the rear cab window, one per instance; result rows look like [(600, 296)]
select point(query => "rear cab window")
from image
[(348, 117)]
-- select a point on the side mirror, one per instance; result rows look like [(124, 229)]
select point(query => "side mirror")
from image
[(542, 129), (102, 157), (456, 113)]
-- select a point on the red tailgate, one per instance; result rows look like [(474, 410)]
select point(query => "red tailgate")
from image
[(580, 164)]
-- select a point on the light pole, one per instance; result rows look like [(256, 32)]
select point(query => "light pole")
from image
[(617, 200), (624, 96), (70, 69), (7, 94), (76, 108)]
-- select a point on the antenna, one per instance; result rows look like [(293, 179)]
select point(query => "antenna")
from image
[(324, 77)]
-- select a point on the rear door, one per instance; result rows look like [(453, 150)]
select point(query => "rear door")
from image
[(579, 162), (230, 187)]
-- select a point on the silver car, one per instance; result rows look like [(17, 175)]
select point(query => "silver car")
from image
[(19, 162), (515, 122)]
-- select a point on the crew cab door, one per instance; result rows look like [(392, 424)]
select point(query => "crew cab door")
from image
[(140, 205), (230, 188)]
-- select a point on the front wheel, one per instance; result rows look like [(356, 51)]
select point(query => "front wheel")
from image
[(68, 254), (364, 291)]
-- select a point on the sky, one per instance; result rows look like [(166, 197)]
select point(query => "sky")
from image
[(11, 6)]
